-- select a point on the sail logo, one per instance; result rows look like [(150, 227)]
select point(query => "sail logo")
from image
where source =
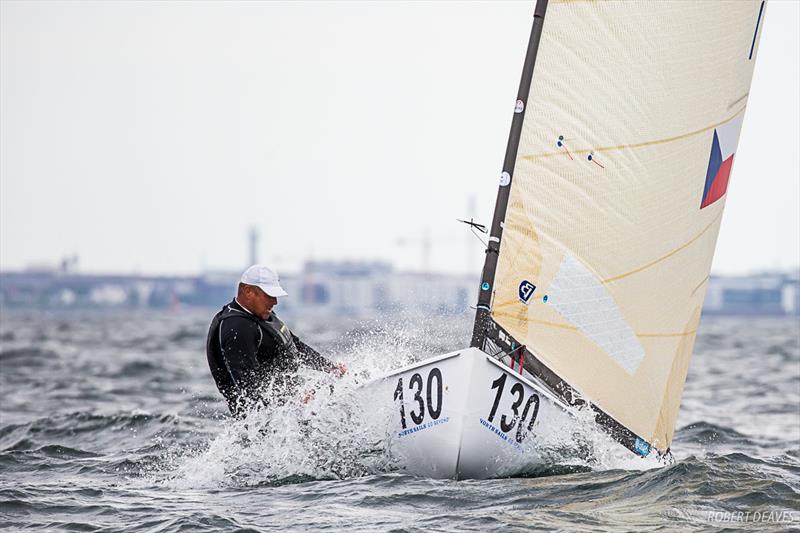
[(720, 162), (525, 291)]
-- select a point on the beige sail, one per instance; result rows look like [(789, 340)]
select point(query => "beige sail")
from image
[(617, 195)]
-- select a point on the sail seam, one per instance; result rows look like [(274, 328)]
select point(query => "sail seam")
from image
[(574, 328), (667, 256), (533, 157), (680, 334), (542, 322), (700, 284)]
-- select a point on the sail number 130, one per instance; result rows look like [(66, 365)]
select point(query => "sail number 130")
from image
[(432, 391), (519, 392)]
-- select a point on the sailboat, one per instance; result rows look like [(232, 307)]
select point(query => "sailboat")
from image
[(609, 204)]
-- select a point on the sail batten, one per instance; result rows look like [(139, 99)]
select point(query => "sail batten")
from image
[(615, 199)]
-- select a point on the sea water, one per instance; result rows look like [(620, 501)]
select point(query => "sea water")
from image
[(111, 422)]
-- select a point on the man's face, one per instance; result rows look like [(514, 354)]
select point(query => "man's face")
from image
[(261, 303)]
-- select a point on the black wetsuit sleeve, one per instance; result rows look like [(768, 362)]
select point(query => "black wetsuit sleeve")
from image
[(311, 357), (239, 339)]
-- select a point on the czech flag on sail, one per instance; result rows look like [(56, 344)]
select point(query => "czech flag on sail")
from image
[(723, 147)]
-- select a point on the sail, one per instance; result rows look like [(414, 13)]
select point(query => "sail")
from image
[(615, 201)]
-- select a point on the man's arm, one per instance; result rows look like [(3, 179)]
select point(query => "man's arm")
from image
[(311, 357), (239, 338)]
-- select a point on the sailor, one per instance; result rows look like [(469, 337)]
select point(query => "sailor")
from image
[(249, 347)]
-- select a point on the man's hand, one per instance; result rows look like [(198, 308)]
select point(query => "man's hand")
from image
[(339, 370), (308, 396)]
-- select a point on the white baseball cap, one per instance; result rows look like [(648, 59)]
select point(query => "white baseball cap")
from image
[(265, 279)]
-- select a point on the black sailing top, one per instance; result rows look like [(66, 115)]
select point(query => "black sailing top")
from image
[(245, 351)]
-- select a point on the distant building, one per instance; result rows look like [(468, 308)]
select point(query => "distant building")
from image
[(772, 294), (367, 288)]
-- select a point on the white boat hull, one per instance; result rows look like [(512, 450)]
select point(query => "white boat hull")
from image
[(453, 416)]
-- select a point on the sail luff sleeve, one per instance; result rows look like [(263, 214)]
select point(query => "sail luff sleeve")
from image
[(482, 314)]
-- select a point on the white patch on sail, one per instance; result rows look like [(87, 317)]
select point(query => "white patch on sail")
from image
[(728, 135), (582, 299)]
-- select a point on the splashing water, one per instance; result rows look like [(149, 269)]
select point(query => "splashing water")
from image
[(331, 436), (340, 433)]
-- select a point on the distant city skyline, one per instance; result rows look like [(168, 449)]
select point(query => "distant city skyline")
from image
[(344, 289), (152, 137)]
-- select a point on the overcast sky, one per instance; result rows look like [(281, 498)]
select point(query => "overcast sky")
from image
[(148, 137)]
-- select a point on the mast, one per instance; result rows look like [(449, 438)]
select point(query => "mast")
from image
[(482, 315)]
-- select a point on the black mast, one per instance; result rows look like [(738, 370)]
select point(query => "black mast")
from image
[(482, 316)]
